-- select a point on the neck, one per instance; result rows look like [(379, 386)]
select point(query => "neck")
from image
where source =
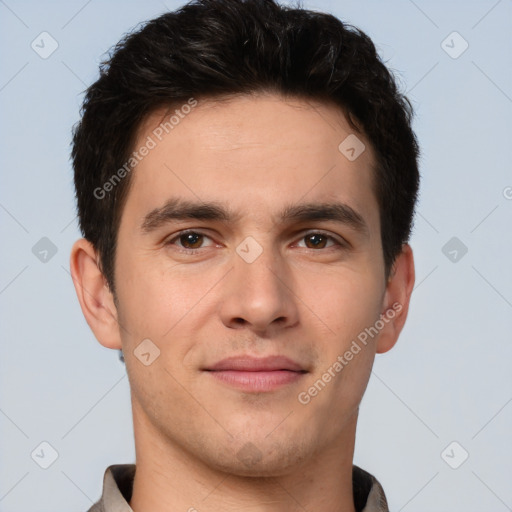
[(170, 478)]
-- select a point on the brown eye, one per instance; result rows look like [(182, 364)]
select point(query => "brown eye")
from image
[(191, 240), (316, 241), (188, 242)]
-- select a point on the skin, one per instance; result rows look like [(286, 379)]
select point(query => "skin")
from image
[(254, 154)]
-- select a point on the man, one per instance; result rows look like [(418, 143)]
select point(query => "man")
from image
[(246, 176)]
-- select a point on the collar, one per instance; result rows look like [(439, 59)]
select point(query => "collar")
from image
[(118, 485)]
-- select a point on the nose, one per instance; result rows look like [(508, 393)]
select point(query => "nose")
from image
[(259, 295)]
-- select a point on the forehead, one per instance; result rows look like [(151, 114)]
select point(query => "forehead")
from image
[(251, 152)]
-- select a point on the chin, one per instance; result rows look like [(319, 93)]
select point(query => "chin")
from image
[(253, 460)]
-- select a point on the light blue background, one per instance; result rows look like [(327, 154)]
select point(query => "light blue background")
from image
[(448, 378)]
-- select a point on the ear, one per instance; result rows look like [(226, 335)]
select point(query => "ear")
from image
[(396, 299), (94, 295)]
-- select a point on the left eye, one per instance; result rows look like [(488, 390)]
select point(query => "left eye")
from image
[(318, 240)]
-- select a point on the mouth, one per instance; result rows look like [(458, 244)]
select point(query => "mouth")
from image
[(257, 374)]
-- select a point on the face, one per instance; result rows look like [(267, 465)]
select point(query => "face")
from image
[(248, 236)]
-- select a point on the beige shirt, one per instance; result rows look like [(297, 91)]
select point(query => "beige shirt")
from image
[(118, 484)]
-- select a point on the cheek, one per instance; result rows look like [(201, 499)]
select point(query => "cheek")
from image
[(160, 300), (146, 308), (352, 301), (346, 301)]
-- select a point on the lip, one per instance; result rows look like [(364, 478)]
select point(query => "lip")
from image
[(257, 364), (257, 374)]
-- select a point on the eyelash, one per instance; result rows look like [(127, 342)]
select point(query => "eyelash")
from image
[(340, 244)]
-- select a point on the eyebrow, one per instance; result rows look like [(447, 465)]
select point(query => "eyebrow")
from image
[(180, 209)]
